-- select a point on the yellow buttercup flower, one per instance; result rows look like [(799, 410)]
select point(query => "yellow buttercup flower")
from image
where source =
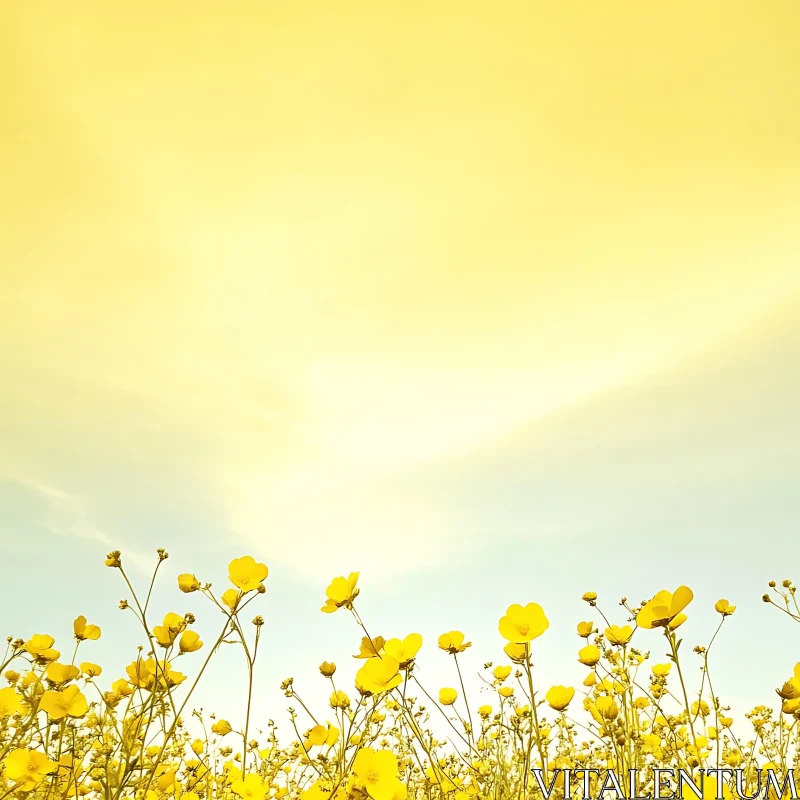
[(67, 703), (453, 642), (189, 642), (320, 735), (405, 650), (231, 598), (724, 607), (501, 672), (559, 697), (790, 690), (252, 787), (619, 635), (377, 769), (339, 699), (585, 629), (370, 647), (589, 655), (522, 624), (665, 609), (247, 574), (221, 727), (379, 675), (188, 583), (90, 670), (10, 702), (518, 653), (166, 633), (40, 646), (26, 768), (607, 707), (341, 593), (61, 673), (83, 631), (447, 696)]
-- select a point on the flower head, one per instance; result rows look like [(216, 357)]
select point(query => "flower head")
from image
[(403, 651), (447, 696), (188, 583), (83, 631), (67, 703), (26, 767), (665, 609), (378, 675), (453, 642), (523, 624), (619, 635), (377, 770), (559, 697), (341, 593), (246, 573)]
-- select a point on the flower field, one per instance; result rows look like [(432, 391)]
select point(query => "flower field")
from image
[(67, 729)]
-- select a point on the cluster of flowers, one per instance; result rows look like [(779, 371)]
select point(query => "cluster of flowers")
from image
[(375, 741)]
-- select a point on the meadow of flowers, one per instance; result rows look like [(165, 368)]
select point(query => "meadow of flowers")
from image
[(68, 729)]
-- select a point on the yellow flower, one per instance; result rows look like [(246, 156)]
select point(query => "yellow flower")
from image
[(790, 706), (90, 670), (559, 697), (339, 700), (403, 651), (661, 670), (67, 703), (724, 607), (453, 642), (485, 711), (790, 690), (665, 609), (377, 769), (518, 653), (251, 788), (585, 629), (189, 642), (589, 597), (590, 679), (501, 673), (26, 768), (221, 727), (10, 702), (523, 624), (166, 633), (589, 655), (505, 691), (83, 631), (617, 635), (370, 647), (607, 708), (447, 696), (40, 646), (378, 675), (327, 669), (321, 735), (341, 593), (61, 673), (246, 573), (188, 583), (231, 598)]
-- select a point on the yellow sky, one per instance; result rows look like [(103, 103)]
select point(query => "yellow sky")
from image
[(330, 242)]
